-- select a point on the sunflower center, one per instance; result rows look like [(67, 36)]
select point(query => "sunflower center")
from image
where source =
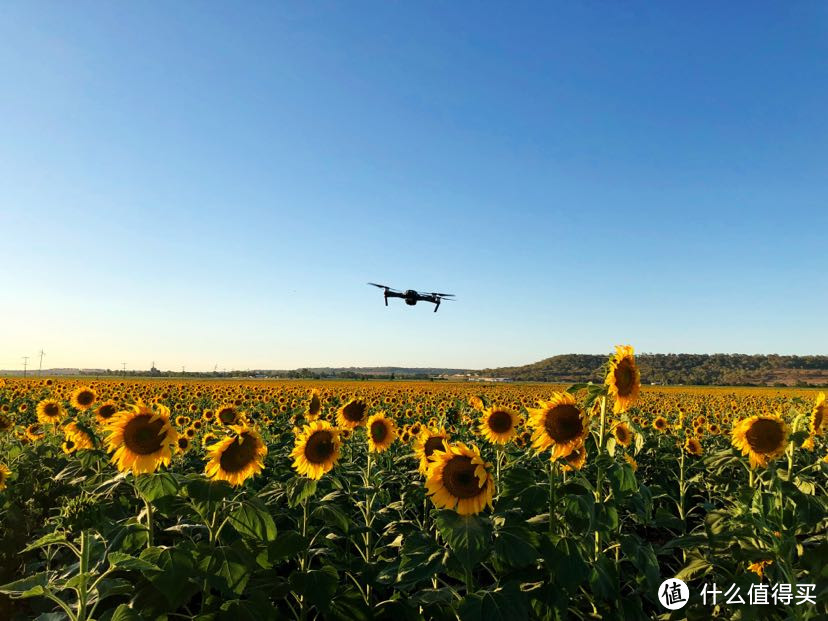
[(70, 445), (500, 421), (765, 435), (143, 436), (378, 431), (625, 377), (621, 434), (319, 447), (563, 423), (105, 411), (51, 410), (85, 397), (354, 411), (238, 456), (459, 478), (434, 443), (227, 415), (315, 406)]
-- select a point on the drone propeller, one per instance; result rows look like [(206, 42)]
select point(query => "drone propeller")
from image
[(443, 295), (386, 287)]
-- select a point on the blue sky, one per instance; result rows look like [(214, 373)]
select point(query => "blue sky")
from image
[(214, 183)]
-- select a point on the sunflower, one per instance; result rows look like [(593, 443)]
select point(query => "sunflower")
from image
[(759, 567), (576, 459), (498, 424), (34, 432), (208, 438), (80, 436), (4, 476), (381, 433), (227, 415), (82, 398), (315, 405), (763, 438), (105, 411), (558, 424), (50, 412), (208, 416), (182, 445), (352, 414), (141, 439), (623, 379), (693, 447), (427, 443), (182, 421), (622, 433), (818, 415), (6, 423), (237, 457), (459, 479), (316, 449), (477, 403), (631, 461)]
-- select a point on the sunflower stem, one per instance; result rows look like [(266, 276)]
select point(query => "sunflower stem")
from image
[(83, 570), (599, 479), (369, 501), (551, 469), (682, 493), (150, 528)]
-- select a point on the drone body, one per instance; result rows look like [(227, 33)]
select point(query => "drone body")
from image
[(411, 296)]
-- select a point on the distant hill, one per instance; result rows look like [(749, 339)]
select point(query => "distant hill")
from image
[(702, 369)]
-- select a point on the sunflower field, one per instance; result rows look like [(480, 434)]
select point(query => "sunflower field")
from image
[(156, 499)]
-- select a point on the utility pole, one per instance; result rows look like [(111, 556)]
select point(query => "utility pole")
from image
[(25, 364), (40, 366), (123, 366), (182, 369)]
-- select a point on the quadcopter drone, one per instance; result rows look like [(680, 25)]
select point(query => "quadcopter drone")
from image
[(411, 297)]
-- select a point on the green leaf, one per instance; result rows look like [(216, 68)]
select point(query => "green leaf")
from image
[(299, 489), (513, 547), (156, 485), (206, 495), (504, 604), (33, 586), (253, 521), (603, 579), (125, 613), (318, 586), (287, 545), (46, 540), (125, 561), (566, 563), (469, 536), (227, 568)]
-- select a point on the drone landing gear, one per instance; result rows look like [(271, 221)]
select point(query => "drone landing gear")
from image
[(436, 306)]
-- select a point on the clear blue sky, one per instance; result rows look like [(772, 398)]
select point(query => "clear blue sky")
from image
[(202, 183)]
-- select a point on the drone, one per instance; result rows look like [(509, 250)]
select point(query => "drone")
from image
[(411, 297)]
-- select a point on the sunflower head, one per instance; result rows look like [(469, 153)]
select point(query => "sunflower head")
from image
[(623, 378), (428, 442), (80, 436), (316, 449), (50, 412), (576, 459), (237, 457), (622, 433), (227, 415), (4, 476), (819, 415), (82, 398), (498, 425), (762, 438), (141, 439), (314, 405), (459, 479), (352, 414), (381, 433), (558, 424), (693, 447), (105, 411)]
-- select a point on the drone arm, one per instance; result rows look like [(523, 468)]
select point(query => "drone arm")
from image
[(437, 305), (386, 298)]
